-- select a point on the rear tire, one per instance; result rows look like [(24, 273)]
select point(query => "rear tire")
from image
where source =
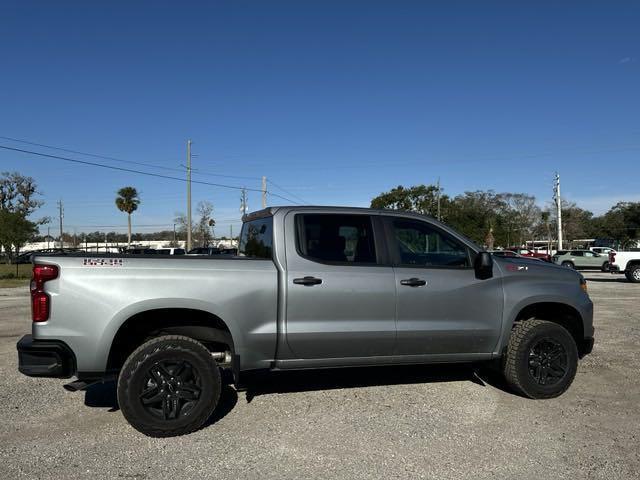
[(633, 274), (605, 267), (568, 264), (541, 359), (169, 386)]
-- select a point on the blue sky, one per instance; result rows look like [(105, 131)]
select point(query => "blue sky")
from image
[(335, 101)]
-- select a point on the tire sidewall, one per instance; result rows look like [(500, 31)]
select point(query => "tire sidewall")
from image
[(568, 265), (528, 384), (633, 271), (132, 378)]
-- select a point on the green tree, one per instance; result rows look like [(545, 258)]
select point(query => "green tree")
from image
[(621, 222), (15, 230), (128, 201), (17, 196), (419, 198)]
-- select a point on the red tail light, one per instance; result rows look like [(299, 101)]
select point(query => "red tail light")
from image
[(40, 301), (612, 257)]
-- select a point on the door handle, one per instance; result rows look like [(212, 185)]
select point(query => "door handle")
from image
[(307, 281), (413, 282)]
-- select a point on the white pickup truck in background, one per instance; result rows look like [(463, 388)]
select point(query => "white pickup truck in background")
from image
[(627, 263)]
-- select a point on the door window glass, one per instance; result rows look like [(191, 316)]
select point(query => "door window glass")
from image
[(419, 244), (336, 238)]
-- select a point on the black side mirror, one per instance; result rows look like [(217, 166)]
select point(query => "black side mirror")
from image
[(483, 265)]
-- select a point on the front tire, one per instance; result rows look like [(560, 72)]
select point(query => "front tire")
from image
[(633, 274), (169, 386), (541, 359)]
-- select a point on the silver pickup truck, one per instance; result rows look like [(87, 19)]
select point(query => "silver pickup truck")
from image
[(311, 287)]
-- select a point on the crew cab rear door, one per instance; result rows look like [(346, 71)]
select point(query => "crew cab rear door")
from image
[(340, 297), (442, 308)]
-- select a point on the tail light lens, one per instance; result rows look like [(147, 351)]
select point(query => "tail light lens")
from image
[(40, 300), (612, 257)]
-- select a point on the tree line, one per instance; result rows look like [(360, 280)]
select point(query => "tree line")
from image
[(489, 218), (510, 219)]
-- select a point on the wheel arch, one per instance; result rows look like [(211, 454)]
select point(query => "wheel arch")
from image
[(201, 325), (559, 313)]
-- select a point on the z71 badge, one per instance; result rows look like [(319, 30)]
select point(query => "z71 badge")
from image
[(102, 262)]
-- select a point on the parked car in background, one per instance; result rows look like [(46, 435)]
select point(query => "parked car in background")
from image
[(204, 251), (140, 251), (525, 252), (504, 253), (171, 251), (627, 263), (602, 250), (581, 259)]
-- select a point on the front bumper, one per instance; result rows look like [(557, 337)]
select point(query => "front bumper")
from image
[(45, 358)]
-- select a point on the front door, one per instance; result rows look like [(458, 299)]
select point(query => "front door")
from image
[(340, 299), (442, 307)]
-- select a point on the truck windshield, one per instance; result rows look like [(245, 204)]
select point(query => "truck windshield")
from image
[(256, 238)]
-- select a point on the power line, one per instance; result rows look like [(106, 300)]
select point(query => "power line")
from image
[(288, 192), (144, 164), (130, 170)]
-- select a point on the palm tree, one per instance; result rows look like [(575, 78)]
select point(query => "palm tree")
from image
[(128, 201)]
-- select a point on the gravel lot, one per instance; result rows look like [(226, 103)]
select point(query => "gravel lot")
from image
[(409, 422)]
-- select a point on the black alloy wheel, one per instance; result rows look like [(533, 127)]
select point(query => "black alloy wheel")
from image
[(548, 362), (171, 389)]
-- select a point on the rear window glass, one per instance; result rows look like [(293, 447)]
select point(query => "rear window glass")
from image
[(338, 238), (256, 238)]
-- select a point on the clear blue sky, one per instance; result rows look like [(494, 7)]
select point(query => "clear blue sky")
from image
[(335, 101)]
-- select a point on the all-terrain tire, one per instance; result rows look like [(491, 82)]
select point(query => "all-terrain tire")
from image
[(162, 368), (633, 274), (526, 337)]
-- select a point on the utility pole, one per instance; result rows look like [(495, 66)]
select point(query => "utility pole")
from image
[(188, 195), (558, 200), (244, 207), (61, 216), (264, 192), (438, 199)]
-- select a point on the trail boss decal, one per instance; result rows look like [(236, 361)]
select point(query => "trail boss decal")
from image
[(102, 262)]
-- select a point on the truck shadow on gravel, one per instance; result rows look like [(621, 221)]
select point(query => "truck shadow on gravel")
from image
[(268, 383), (103, 395)]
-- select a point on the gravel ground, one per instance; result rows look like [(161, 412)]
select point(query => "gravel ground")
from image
[(405, 422)]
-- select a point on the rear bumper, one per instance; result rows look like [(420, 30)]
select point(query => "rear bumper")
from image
[(45, 358)]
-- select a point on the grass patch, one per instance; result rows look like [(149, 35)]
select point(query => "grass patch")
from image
[(13, 282), (8, 272)]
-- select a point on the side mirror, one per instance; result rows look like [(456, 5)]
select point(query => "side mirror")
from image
[(483, 265)]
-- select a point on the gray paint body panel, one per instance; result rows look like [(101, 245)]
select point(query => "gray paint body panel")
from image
[(359, 315)]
